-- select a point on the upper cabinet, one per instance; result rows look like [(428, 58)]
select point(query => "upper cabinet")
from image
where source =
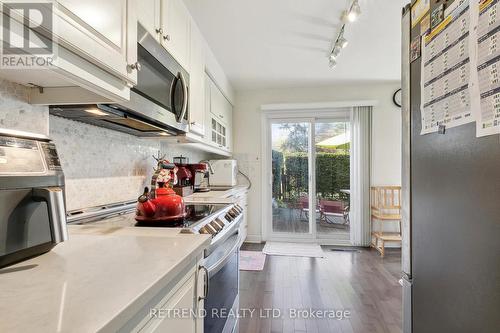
[(103, 32), (176, 30), (220, 116), (170, 22), (96, 46), (148, 15), (197, 83)]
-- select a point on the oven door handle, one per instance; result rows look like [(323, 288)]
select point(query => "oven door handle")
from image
[(205, 284), (212, 270)]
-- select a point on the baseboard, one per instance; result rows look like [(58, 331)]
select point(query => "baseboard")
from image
[(392, 246), (253, 239)]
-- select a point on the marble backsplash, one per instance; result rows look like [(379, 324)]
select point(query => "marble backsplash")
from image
[(104, 166), (16, 113), (101, 166)]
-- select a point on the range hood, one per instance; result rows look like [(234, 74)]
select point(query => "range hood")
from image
[(139, 117)]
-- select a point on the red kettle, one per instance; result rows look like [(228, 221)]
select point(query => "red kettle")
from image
[(161, 204)]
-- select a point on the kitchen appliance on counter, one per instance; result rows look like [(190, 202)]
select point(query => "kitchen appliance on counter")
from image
[(32, 204), (221, 258), (161, 204), (184, 186), (158, 104), (201, 177), (223, 173)]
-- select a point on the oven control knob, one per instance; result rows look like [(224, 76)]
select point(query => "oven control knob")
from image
[(204, 230), (214, 225), (229, 217), (219, 222), (238, 209), (233, 212), (210, 229)]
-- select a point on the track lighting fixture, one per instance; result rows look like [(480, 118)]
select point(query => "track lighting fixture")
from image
[(353, 12), (341, 42)]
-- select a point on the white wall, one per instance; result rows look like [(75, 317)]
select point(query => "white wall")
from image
[(247, 132)]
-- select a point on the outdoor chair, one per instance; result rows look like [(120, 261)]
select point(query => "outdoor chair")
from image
[(304, 204), (331, 210)]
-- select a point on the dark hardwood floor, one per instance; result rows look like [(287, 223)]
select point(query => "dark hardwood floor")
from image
[(360, 282)]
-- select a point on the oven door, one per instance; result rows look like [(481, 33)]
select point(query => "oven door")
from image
[(222, 301)]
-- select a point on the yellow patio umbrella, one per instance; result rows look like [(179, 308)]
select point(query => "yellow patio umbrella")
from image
[(336, 141)]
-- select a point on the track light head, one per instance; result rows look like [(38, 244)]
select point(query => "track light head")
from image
[(342, 42), (336, 51), (354, 12)]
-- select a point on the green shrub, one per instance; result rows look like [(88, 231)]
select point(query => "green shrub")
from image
[(277, 160), (332, 175)]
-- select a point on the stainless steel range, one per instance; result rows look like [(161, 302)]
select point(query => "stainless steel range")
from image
[(221, 261)]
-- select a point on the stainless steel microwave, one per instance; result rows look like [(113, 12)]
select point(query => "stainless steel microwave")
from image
[(161, 79), (158, 104)]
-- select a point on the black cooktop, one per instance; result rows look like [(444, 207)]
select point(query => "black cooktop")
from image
[(195, 213)]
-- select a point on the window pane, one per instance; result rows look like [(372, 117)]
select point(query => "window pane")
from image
[(332, 142), (290, 182)]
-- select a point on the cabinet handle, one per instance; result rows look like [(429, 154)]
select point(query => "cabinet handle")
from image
[(166, 37), (193, 123), (136, 65), (159, 30), (205, 286), (221, 116)]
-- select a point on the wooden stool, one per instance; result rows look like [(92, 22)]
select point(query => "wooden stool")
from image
[(386, 208)]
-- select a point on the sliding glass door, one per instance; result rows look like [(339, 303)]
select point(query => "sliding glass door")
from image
[(310, 174), (290, 150), (332, 143)]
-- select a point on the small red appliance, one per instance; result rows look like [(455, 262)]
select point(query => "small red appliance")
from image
[(161, 204)]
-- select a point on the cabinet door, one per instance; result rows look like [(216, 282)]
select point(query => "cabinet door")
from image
[(217, 102), (175, 22), (148, 15), (103, 32), (197, 83), (228, 115), (208, 113), (183, 299)]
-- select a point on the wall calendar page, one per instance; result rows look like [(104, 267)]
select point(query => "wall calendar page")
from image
[(446, 71)]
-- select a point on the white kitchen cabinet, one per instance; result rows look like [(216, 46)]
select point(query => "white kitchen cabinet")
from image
[(148, 15), (103, 32), (176, 30), (95, 50), (178, 308), (169, 320), (220, 118), (197, 83)]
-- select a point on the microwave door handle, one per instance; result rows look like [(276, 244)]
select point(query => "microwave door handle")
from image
[(54, 198), (185, 99)]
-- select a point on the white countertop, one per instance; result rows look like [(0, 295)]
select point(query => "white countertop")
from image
[(85, 283), (218, 196)]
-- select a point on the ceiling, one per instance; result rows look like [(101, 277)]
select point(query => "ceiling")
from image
[(283, 43)]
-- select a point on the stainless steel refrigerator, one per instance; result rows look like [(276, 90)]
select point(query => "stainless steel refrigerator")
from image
[(451, 216)]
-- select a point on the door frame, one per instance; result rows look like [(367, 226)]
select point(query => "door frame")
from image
[(295, 113)]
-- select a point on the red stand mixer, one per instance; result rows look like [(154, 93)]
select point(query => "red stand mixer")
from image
[(161, 204)]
